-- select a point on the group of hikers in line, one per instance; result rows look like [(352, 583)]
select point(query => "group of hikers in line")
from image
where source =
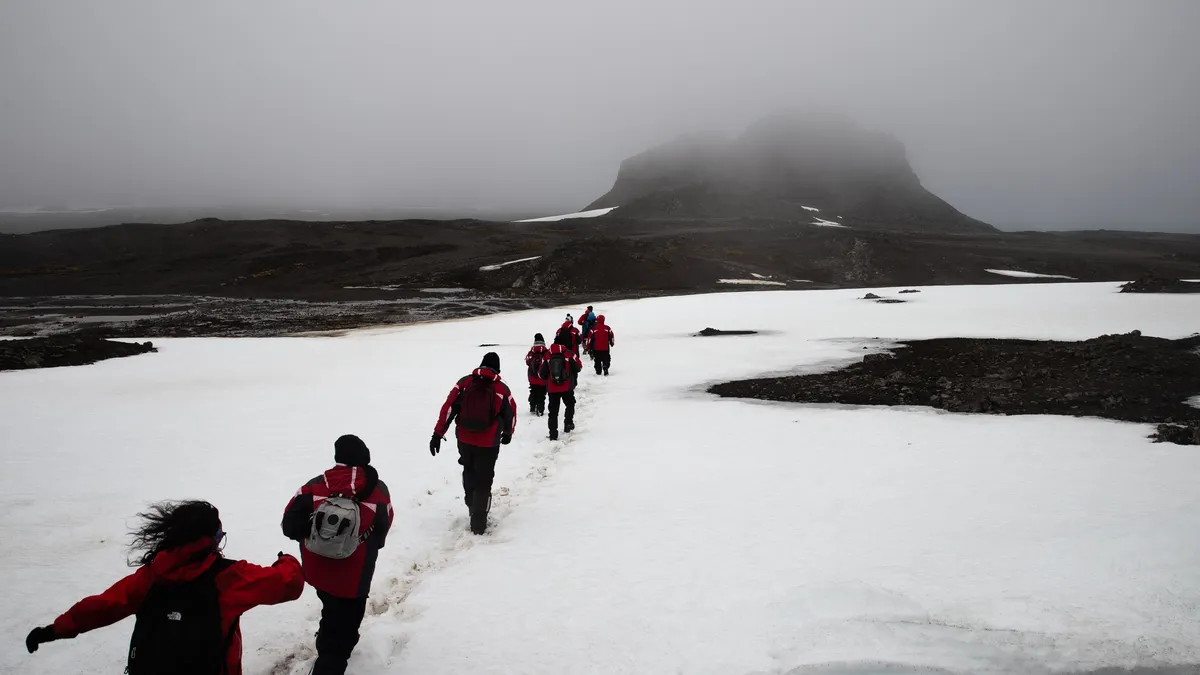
[(485, 413), (188, 598)]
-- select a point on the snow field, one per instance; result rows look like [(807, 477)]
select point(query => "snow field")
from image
[(671, 532)]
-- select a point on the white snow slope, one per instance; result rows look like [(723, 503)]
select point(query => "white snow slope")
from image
[(672, 532), (594, 213)]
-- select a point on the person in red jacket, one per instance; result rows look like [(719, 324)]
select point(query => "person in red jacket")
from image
[(561, 369), (537, 384), (568, 335), (178, 558), (342, 584), (599, 342), (485, 417)]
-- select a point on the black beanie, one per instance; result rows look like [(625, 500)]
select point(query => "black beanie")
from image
[(491, 360), (537, 337), (351, 451)]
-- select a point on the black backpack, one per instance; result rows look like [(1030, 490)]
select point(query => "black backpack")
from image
[(178, 628), (535, 364), (476, 406), (560, 373)]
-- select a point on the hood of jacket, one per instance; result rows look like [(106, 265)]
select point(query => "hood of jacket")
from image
[(346, 480), (186, 562), (486, 373)]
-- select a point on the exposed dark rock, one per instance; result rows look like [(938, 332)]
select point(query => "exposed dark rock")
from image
[(890, 301), (1154, 284), (1124, 377), (910, 290), (870, 296), (711, 332), (49, 352), (1182, 434)]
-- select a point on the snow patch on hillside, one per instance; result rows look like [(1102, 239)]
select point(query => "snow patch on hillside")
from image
[(594, 213), (1028, 275), (826, 223), (751, 282), (492, 268)]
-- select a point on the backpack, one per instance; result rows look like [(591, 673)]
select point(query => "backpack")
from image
[(476, 406), (535, 364), (560, 373), (178, 628), (334, 530)]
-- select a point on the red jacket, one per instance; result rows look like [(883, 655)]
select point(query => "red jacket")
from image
[(240, 587), (574, 333), (534, 362), (601, 338), (573, 363), (504, 410), (349, 577)]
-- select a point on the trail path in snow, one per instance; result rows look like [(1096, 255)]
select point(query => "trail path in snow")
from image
[(388, 615)]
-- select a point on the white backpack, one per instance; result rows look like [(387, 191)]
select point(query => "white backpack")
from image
[(335, 529)]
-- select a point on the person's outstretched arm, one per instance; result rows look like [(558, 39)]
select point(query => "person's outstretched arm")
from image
[(245, 585), (122, 599)]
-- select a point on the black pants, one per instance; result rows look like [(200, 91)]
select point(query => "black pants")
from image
[(556, 399), (338, 633), (479, 468), (537, 398), (603, 359)]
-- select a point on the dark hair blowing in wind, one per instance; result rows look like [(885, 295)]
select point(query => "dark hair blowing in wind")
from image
[(168, 525)]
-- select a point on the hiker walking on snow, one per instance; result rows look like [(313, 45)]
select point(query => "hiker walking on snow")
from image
[(586, 323), (561, 369), (485, 417), (600, 342), (187, 597), (537, 384), (568, 335), (341, 519)]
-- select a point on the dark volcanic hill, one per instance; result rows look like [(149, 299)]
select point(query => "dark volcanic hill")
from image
[(778, 167)]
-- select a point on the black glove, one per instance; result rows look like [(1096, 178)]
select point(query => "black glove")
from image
[(39, 636), (435, 445), (281, 554), (505, 439)]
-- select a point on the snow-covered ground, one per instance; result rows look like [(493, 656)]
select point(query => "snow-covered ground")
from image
[(568, 216), (492, 268), (1028, 275), (671, 532)]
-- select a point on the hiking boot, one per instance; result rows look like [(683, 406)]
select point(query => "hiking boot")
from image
[(479, 510), (554, 434), (568, 426), (532, 409)]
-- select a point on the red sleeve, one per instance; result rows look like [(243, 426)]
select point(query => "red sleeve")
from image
[(447, 413), (508, 411), (578, 363), (119, 601), (612, 337), (245, 585)]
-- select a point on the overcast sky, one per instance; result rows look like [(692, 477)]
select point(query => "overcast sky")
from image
[(1039, 114)]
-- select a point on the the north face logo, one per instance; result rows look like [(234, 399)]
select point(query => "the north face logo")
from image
[(174, 616)]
